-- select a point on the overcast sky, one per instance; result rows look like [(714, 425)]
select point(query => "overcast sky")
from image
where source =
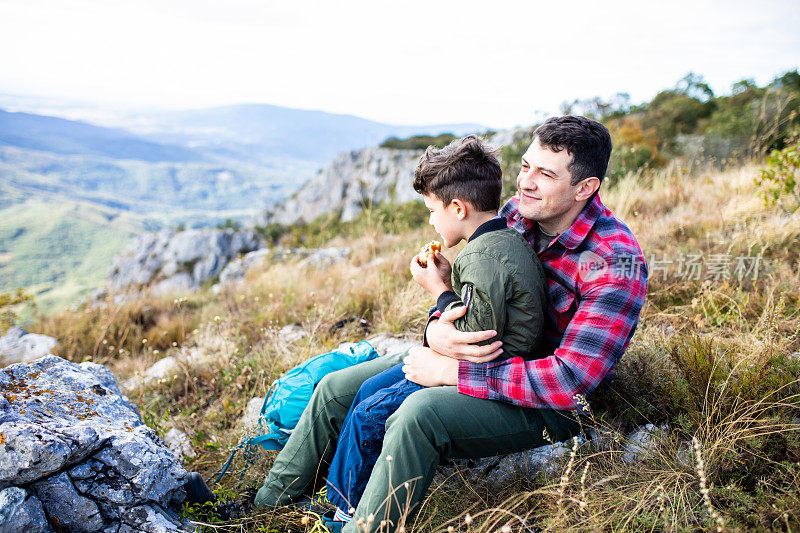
[(496, 63)]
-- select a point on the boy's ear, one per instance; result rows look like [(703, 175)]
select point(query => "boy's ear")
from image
[(460, 208)]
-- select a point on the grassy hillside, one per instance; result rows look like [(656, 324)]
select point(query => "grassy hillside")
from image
[(715, 359), (60, 251)]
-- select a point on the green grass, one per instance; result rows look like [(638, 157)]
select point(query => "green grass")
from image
[(59, 252)]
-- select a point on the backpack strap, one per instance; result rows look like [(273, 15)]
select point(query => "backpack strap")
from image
[(260, 439)]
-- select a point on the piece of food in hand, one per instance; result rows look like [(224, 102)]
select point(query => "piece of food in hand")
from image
[(427, 251)]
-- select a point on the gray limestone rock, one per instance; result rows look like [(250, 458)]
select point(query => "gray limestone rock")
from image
[(641, 442), (351, 181), (355, 180), (66, 507), (71, 437), (252, 412), (236, 269), (325, 257), (292, 333), (18, 345), (180, 443), (178, 261), (384, 344), (498, 471), (21, 511)]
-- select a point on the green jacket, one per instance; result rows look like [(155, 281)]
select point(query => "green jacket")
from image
[(501, 281)]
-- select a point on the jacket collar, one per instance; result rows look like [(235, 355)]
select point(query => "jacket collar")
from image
[(579, 229), (494, 224)]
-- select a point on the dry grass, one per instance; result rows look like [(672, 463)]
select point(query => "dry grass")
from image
[(711, 361)]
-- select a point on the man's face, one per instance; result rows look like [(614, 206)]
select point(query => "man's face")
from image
[(545, 193)]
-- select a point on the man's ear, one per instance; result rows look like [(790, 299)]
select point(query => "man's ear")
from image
[(586, 188), (460, 208)]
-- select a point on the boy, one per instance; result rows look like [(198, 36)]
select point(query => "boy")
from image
[(497, 276)]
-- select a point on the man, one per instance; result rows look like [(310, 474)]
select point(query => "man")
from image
[(596, 284)]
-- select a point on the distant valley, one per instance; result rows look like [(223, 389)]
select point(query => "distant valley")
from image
[(77, 182)]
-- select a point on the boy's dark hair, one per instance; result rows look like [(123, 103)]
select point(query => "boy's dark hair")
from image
[(466, 169), (586, 140)]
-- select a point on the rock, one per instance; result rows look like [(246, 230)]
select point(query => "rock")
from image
[(384, 344), (79, 445), (18, 345), (506, 137), (252, 412), (325, 257), (180, 443), (349, 182), (149, 519), (179, 283), (640, 443), (356, 179), (378, 261), (21, 511), (498, 471), (178, 261), (292, 333), (235, 271), (162, 369), (66, 507)]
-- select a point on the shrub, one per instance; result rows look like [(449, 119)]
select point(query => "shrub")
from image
[(780, 180), (634, 147), (9, 301)]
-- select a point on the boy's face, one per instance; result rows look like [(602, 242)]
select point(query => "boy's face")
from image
[(444, 219)]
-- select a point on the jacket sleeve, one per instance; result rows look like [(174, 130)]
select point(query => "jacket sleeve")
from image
[(593, 343), (485, 286)]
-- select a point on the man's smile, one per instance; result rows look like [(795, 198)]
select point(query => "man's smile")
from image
[(528, 196)]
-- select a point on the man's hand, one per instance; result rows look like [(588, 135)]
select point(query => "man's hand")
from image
[(434, 278), (445, 339), (430, 369)]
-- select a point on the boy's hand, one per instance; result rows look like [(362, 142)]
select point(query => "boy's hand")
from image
[(444, 268), (431, 277)]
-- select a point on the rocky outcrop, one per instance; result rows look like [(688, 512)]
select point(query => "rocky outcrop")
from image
[(355, 180), (181, 261), (75, 450), (17, 345), (236, 270), (350, 182)]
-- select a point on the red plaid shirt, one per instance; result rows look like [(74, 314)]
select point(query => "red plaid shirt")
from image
[(597, 281)]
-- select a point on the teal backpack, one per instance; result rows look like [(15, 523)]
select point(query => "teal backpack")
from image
[(289, 395)]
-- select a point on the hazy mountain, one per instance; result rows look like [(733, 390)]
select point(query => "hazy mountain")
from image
[(260, 134), (258, 131), (68, 137)]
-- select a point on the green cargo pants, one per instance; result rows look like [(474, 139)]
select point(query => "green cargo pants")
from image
[(431, 425)]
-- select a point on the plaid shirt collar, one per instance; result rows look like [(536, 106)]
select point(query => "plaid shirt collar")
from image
[(574, 236), (580, 228)]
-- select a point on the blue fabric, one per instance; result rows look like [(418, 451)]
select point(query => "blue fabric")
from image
[(288, 397), (362, 434)]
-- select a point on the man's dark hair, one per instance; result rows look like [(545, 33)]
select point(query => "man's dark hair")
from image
[(586, 140), (466, 169)]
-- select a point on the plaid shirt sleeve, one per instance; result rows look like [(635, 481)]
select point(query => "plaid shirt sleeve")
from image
[(592, 344)]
